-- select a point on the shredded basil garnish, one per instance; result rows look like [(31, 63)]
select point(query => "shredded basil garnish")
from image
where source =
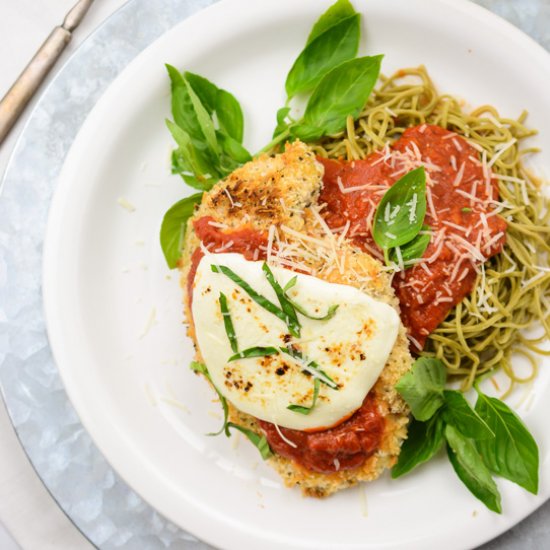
[(306, 410), (286, 304), (291, 283), (329, 315), (260, 442), (400, 214), (258, 298), (257, 351), (199, 367), (311, 366), (228, 323)]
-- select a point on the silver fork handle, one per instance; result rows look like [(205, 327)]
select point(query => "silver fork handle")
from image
[(17, 97)]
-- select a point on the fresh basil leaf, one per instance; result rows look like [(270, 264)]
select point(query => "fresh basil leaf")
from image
[(206, 90), (512, 453), (282, 123), (337, 44), (340, 10), (257, 351), (204, 159), (181, 166), (199, 367), (233, 149), (172, 230), (187, 155), (414, 249), (230, 115), (457, 412), (260, 442), (306, 410), (306, 132), (222, 103), (423, 441), (341, 93), (182, 105), (400, 214), (204, 120), (203, 183), (422, 387), (471, 469)]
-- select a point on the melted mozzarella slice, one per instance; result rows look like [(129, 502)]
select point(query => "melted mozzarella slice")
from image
[(351, 348)]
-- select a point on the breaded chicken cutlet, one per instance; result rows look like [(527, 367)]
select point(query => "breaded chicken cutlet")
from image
[(268, 210)]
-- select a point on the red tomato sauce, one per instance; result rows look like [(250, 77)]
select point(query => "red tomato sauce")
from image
[(245, 241), (344, 447), (462, 197)]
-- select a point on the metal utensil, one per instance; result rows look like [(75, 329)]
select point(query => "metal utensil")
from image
[(17, 97)]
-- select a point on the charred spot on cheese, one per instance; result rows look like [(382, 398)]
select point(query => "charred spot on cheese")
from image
[(359, 338)]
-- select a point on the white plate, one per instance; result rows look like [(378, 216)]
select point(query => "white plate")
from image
[(113, 308)]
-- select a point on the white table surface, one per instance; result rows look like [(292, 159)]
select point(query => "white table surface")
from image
[(27, 511)]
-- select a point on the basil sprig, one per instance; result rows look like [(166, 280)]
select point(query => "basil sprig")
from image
[(220, 102), (209, 148), (489, 439), (339, 82), (208, 130), (341, 93), (260, 442), (400, 214), (306, 410), (172, 229)]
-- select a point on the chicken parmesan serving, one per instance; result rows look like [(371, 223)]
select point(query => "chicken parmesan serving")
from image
[(386, 241), (299, 328)]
